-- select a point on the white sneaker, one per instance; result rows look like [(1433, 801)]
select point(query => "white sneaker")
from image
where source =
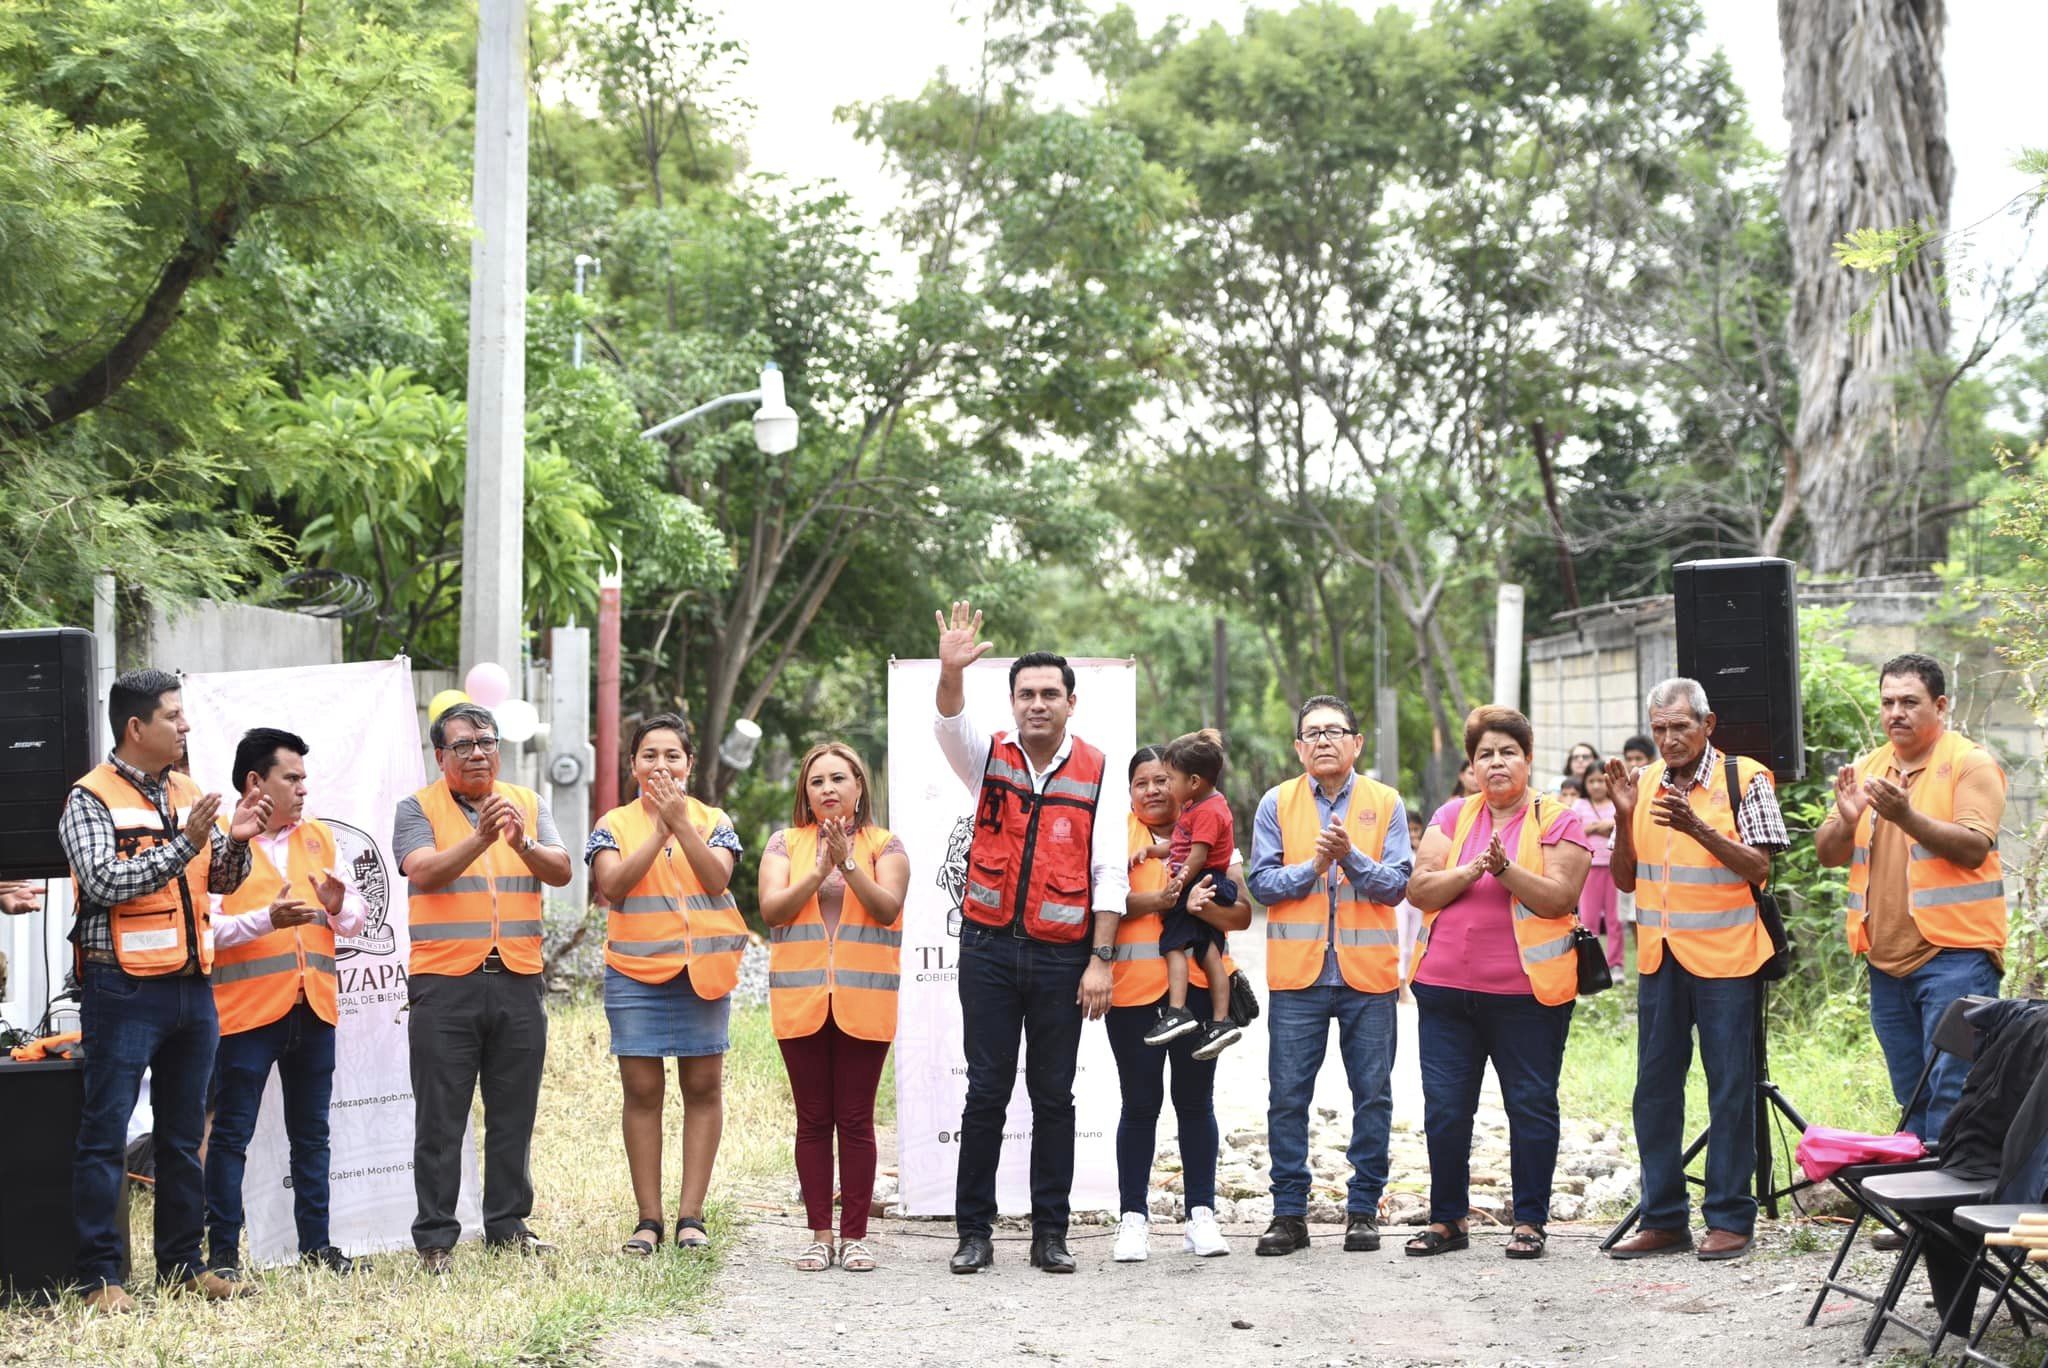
[(1204, 1238), (1132, 1238)]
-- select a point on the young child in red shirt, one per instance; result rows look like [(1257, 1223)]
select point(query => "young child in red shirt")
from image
[(1204, 842)]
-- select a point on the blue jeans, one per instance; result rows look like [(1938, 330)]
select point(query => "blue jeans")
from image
[(1904, 1013), (1458, 1032), (1010, 984), (301, 1046), (167, 1026), (1141, 1073), (1298, 1031), (1670, 1005)]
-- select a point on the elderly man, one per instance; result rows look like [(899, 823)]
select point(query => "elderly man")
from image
[(145, 853), (475, 852), (1694, 832), (1330, 862), (1916, 821), (1046, 884)]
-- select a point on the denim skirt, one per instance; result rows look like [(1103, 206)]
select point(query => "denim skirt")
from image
[(663, 1020)]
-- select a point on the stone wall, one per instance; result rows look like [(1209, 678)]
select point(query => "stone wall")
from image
[(1587, 679)]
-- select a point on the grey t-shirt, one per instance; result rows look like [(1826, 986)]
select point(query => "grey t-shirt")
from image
[(410, 829)]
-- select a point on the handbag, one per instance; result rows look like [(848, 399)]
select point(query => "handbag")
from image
[(1767, 910), (1244, 1003), (1594, 975)]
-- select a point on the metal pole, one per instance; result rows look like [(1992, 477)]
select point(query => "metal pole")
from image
[(1219, 670), (584, 260), (494, 500), (606, 795), (1507, 646), (571, 758)]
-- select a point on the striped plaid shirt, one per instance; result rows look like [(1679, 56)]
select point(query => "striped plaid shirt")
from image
[(1758, 821), (105, 880)]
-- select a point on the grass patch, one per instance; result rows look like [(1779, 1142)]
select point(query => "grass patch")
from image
[(490, 1310)]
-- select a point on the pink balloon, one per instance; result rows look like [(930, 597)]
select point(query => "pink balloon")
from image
[(487, 683)]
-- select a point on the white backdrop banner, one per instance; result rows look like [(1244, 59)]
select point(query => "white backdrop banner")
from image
[(362, 730), (933, 813)]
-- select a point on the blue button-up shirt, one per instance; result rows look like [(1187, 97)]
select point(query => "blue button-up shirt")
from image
[(1272, 880)]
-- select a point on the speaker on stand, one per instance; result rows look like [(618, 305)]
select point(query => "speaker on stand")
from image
[(46, 743), (1738, 635)]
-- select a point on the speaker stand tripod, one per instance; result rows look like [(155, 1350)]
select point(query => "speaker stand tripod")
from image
[(1770, 1099)]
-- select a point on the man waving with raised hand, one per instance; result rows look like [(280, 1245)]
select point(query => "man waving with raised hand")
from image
[(1046, 883)]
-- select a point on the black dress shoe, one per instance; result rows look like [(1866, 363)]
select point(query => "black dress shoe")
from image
[(1361, 1233), (333, 1260), (1284, 1236), (1049, 1252), (974, 1254)]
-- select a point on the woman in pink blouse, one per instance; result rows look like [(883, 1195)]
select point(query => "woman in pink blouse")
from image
[(1598, 912), (1476, 873)]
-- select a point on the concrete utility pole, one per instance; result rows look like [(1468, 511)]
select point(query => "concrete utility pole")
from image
[(1507, 646), (570, 757), (492, 523)]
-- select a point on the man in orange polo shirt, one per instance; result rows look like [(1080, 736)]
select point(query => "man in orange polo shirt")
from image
[(1917, 822)]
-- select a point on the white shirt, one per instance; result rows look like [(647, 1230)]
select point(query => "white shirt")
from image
[(966, 749), (276, 847)]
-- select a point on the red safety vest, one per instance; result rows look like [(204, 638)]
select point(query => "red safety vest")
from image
[(1031, 855)]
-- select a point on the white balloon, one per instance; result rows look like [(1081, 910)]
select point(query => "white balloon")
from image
[(518, 720)]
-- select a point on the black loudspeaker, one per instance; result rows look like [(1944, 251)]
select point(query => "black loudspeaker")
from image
[(38, 1237), (46, 743), (1738, 635)]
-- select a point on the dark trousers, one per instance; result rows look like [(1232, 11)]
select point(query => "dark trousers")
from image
[(167, 1026), (1141, 1077), (1010, 985), (1457, 1033), (476, 1029), (832, 1079), (301, 1047), (1670, 1005)]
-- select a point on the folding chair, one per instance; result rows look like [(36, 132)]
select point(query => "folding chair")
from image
[(1952, 1035), (2014, 1285), (1923, 1197)]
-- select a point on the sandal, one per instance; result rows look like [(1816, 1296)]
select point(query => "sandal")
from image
[(684, 1223), (641, 1248), (856, 1257), (1527, 1243), (1434, 1241), (816, 1258)]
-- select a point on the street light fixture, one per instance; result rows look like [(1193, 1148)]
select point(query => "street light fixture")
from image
[(774, 421)]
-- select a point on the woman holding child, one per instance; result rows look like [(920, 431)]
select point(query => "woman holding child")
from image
[(1497, 879), (1139, 996)]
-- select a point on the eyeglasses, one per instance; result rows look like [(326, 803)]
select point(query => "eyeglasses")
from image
[(482, 745), (1316, 734)]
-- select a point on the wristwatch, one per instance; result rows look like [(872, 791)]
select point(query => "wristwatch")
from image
[(1105, 953), (847, 864)]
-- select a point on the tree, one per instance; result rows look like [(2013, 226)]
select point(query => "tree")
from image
[(1868, 106)]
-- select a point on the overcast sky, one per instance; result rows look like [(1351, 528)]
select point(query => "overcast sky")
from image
[(811, 56)]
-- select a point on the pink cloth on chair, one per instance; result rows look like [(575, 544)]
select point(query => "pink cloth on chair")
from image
[(1824, 1149)]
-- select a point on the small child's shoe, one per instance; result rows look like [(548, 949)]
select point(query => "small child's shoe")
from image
[(1217, 1037), (1173, 1023)]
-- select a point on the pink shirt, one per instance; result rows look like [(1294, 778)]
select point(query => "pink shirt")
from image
[(1602, 846), (276, 846), (1472, 941)]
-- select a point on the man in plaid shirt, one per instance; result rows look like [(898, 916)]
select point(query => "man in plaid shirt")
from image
[(162, 1020), (1693, 853)]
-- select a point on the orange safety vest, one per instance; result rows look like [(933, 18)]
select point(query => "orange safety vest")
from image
[(493, 904), (1954, 907), (851, 970), (1685, 895), (1138, 973), (1298, 929), (1030, 858), (155, 934), (258, 981), (668, 923), (1543, 943)]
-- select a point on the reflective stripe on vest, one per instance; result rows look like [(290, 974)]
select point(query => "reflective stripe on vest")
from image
[(1953, 907), (669, 922), (1543, 944), (494, 903), (154, 932), (260, 981), (1297, 929), (1684, 894), (1137, 968), (849, 971)]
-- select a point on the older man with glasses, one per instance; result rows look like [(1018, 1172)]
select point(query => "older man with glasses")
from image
[(475, 852), (1330, 862)]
